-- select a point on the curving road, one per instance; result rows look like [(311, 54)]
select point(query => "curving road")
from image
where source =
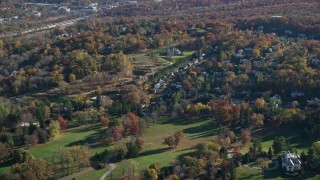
[(112, 167)]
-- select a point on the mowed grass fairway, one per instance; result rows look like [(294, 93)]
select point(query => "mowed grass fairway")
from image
[(92, 175), (246, 173), (292, 134), (197, 130), (78, 136), (90, 135), (177, 58)]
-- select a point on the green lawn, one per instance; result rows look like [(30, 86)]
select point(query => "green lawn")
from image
[(245, 173), (4, 169), (177, 58), (144, 59), (72, 137), (92, 175), (196, 131), (292, 134)]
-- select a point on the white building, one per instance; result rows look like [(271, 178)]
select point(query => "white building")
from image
[(89, 9), (64, 10), (36, 14), (27, 124), (291, 162)]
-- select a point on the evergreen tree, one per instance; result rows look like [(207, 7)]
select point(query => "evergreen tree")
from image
[(232, 169), (280, 144), (270, 152)]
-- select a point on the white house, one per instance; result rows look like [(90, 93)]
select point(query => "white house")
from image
[(27, 124), (89, 9), (291, 162), (63, 10), (297, 94), (36, 14)]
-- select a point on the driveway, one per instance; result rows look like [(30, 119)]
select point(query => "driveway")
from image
[(112, 167)]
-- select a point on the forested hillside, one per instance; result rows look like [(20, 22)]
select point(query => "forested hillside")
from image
[(171, 89)]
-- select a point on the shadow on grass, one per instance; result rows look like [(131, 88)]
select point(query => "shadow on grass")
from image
[(184, 121), (293, 135), (85, 128), (91, 139), (154, 151), (271, 174), (204, 130), (192, 154)]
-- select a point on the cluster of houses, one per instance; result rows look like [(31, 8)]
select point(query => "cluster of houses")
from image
[(91, 8), (178, 86)]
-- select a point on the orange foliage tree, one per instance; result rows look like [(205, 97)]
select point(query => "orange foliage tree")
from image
[(63, 123)]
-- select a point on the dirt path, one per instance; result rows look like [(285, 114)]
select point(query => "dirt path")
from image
[(84, 171), (112, 167)]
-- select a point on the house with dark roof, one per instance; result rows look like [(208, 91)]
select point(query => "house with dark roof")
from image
[(291, 162)]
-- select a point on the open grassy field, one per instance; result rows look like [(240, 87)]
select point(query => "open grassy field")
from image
[(93, 175), (177, 58), (245, 173), (292, 134), (196, 131), (73, 137), (144, 59)]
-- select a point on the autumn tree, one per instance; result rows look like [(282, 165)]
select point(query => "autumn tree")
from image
[(257, 119), (245, 136), (178, 136), (260, 103), (54, 129), (104, 121), (173, 140), (150, 174), (131, 124), (289, 114), (81, 154), (37, 167), (186, 84), (63, 123), (224, 111), (170, 141), (118, 63)]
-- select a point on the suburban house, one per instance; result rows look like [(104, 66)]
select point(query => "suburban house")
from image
[(36, 14), (63, 10), (173, 52), (92, 8), (291, 162), (296, 94), (28, 124)]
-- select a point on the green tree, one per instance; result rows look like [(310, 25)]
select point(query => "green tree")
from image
[(270, 152), (54, 129), (150, 174), (232, 170), (40, 114), (280, 144), (256, 145), (170, 141)]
